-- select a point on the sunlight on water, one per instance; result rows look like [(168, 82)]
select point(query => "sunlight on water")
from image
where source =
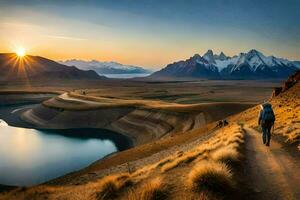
[(31, 156)]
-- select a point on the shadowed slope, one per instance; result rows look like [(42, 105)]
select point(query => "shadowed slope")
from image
[(34, 67)]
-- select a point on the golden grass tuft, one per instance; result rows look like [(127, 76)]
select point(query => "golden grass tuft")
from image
[(185, 158), (210, 176), (226, 154), (164, 161), (170, 165), (144, 172), (234, 139), (155, 189), (110, 186), (293, 137)]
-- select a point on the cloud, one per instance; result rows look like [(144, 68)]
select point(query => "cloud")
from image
[(64, 37)]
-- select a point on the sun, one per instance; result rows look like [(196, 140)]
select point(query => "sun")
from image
[(21, 52)]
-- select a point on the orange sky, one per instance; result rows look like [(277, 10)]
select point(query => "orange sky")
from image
[(128, 37)]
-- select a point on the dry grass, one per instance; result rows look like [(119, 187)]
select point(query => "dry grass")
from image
[(110, 186), (293, 137), (226, 155), (181, 158), (223, 147), (144, 172), (162, 162), (210, 176), (235, 139), (155, 189), (171, 165)]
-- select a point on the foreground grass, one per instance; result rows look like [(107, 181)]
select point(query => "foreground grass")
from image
[(155, 189), (111, 185), (211, 176)]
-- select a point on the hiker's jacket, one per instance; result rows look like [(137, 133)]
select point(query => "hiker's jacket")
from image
[(266, 115)]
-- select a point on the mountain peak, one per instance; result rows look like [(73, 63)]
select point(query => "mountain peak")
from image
[(196, 56), (222, 56), (209, 52), (209, 56), (255, 52)]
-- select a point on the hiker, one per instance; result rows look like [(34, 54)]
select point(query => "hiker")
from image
[(225, 122), (266, 121), (220, 123)]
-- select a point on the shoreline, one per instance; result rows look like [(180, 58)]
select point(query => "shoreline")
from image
[(121, 141)]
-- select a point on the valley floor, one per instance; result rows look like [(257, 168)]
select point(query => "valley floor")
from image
[(250, 169)]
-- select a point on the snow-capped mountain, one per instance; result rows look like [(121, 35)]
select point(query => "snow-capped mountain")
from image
[(221, 57), (106, 67), (250, 65), (256, 65), (209, 56), (195, 66), (297, 64)]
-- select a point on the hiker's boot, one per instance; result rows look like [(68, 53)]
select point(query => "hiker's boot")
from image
[(268, 144)]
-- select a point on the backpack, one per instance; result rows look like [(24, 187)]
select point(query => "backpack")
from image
[(267, 114)]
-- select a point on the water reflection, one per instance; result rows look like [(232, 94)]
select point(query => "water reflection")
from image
[(3, 123), (29, 156)]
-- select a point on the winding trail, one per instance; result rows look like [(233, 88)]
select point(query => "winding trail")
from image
[(273, 173), (67, 97)]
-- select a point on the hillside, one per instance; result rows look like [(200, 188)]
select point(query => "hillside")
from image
[(286, 105), (141, 120), (250, 65), (38, 68)]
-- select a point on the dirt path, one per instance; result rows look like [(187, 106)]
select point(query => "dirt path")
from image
[(273, 173), (66, 97)]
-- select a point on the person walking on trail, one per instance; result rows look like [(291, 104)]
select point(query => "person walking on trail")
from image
[(266, 121)]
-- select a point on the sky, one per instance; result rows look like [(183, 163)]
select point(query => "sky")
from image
[(149, 33)]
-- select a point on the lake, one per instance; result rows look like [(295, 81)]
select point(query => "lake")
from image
[(125, 75), (29, 156)]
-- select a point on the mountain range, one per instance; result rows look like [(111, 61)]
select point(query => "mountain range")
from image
[(250, 65), (29, 67), (104, 68)]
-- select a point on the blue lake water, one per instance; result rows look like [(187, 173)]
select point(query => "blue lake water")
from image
[(29, 156), (126, 75)]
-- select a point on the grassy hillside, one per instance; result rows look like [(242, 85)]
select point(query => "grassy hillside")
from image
[(287, 111)]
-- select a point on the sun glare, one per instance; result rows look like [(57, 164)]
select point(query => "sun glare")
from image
[(21, 52)]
